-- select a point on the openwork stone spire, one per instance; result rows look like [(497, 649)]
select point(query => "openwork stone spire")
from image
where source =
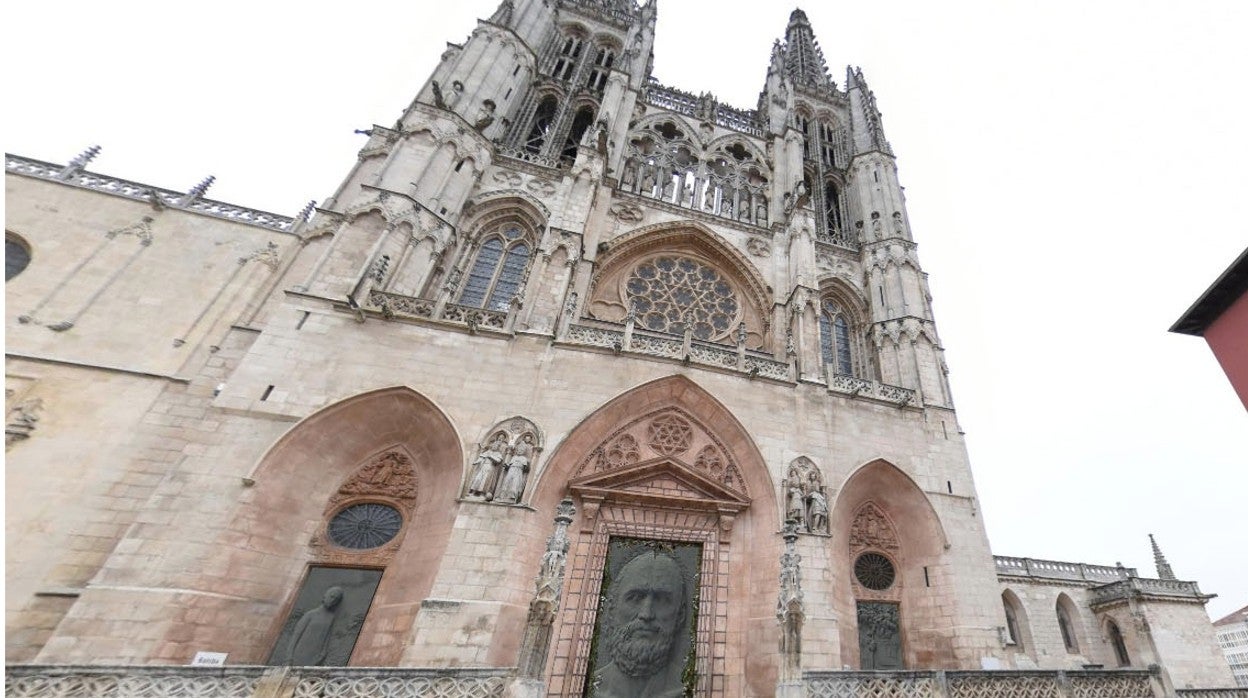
[(804, 61), (1164, 570)]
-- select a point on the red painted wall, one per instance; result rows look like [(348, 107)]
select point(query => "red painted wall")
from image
[(1228, 338)]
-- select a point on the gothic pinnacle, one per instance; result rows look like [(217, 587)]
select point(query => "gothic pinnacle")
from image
[(306, 213), (200, 189), (1164, 570), (77, 164)]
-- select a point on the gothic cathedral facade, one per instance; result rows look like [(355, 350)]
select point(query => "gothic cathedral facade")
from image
[(672, 359)]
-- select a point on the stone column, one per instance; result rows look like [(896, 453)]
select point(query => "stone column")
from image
[(535, 644)]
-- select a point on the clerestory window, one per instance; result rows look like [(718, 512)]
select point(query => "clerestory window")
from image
[(495, 275)]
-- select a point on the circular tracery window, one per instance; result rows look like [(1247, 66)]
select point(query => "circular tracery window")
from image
[(363, 526), (874, 571), (668, 293)]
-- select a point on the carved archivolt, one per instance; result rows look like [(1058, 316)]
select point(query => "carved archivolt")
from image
[(667, 433)]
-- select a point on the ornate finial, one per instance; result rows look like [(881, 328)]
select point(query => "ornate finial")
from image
[(1164, 570), (306, 213), (198, 190), (77, 164)]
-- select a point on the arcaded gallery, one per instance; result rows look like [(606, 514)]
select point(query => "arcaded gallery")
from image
[(578, 384)]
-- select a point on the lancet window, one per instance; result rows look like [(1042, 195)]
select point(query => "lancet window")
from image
[(543, 121), (497, 270), (580, 124), (1120, 646), (838, 339), (1066, 626), (603, 61), (824, 149)]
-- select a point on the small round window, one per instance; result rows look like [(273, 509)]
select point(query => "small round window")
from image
[(16, 257), (364, 526), (874, 571)]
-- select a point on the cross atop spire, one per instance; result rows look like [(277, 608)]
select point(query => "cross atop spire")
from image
[(804, 61), (1163, 567)]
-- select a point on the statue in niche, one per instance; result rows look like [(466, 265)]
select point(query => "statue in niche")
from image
[(647, 181), (485, 467), (630, 173), (644, 614), (516, 472), (795, 510), (817, 504), (309, 644), (807, 501)]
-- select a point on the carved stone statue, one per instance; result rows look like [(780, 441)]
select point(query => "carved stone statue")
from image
[(646, 608), (795, 509), (817, 505), (309, 644), (485, 116), (516, 473), (485, 468)]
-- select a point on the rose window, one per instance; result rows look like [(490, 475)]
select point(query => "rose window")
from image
[(670, 435), (874, 571), (669, 293), (363, 526)]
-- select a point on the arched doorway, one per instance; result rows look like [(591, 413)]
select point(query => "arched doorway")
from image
[(668, 485)]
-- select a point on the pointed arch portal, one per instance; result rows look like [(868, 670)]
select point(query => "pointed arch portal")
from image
[(665, 471)]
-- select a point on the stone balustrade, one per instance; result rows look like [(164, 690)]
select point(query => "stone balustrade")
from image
[(1055, 569), (393, 305), (630, 340), (982, 684), (855, 387), (1137, 586), (742, 120), (143, 192), (39, 681), (70, 681)]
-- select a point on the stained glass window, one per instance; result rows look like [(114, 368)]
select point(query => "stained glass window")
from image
[(669, 293), (363, 526), (497, 271), (834, 339)]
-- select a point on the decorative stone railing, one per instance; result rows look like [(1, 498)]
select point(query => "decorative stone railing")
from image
[(143, 192), (838, 237), (637, 342), (393, 305), (744, 120), (1054, 569), (1212, 693), (849, 385), (1137, 586), (604, 10), (980, 684), (527, 157), (41, 681)]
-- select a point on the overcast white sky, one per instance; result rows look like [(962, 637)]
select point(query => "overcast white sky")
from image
[(1075, 174)]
